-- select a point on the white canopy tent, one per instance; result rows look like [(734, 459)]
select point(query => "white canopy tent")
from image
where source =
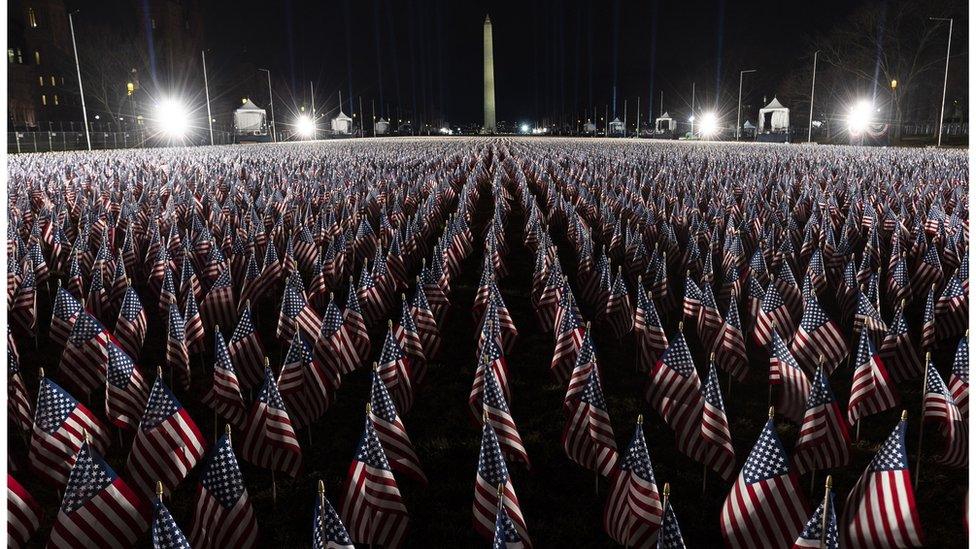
[(774, 118), (616, 127), (342, 124), (589, 127), (381, 127), (250, 119), (665, 123)]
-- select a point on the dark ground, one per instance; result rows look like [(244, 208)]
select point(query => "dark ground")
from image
[(557, 497)]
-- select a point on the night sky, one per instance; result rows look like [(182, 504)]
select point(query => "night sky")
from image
[(551, 57)]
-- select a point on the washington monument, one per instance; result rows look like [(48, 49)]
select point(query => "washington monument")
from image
[(489, 126)]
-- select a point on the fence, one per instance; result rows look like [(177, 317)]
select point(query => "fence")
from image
[(47, 141)]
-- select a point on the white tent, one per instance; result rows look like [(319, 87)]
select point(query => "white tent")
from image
[(665, 123), (774, 117), (589, 127), (250, 119), (341, 124), (616, 126), (381, 127)]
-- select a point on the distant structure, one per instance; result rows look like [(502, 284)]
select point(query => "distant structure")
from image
[(382, 127), (489, 126), (250, 123)]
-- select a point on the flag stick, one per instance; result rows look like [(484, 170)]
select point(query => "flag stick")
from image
[(813, 480), (596, 482), (857, 432), (704, 478), (921, 421), (823, 524), (728, 391), (274, 489)]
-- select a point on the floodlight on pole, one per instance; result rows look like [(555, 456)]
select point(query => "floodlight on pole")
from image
[(859, 117), (81, 89), (945, 79), (172, 119), (274, 131), (709, 124), (305, 126)]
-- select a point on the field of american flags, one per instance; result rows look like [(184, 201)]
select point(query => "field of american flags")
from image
[(561, 502)]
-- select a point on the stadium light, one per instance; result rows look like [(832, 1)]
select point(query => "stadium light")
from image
[(172, 118), (859, 117), (709, 124), (525, 128), (305, 126)]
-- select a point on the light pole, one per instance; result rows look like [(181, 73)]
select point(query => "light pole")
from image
[(206, 89), (274, 132), (315, 120), (945, 80), (813, 85), (738, 116), (81, 89)]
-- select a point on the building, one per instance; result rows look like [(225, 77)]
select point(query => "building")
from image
[(42, 89)]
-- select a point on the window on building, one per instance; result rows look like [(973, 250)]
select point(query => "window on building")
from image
[(56, 102), (43, 99), (37, 57), (20, 56), (40, 81), (31, 18), (153, 21), (53, 81), (10, 55)]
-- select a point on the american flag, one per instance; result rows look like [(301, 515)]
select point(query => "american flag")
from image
[(23, 514), (506, 325), (490, 355), (716, 452), (395, 369), (673, 384), (569, 340), (765, 507), (167, 443), (670, 535), (218, 305), (632, 513), (820, 532), (18, 403), (692, 301), (824, 442), (85, 354), (177, 355), (709, 318), (792, 380), (754, 298), (939, 407), (165, 532), (898, 351), (130, 328), (588, 436), (867, 317), (408, 337), (619, 313), (788, 289), (65, 310), (224, 396), (929, 270), (223, 516), (818, 336), (423, 317), (651, 340), (299, 384), (269, 438), (730, 345), (355, 325), (334, 349), (880, 510), (506, 534), (959, 377), (498, 414), (193, 326), (98, 509), (328, 532), (392, 433), (492, 473), (872, 389), (126, 392), (773, 315), (585, 363), (952, 308), (371, 506), (98, 300), (245, 350), (296, 314), (167, 292)]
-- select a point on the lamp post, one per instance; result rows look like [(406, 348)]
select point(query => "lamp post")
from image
[(738, 117), (274, 132), (893, 111), (81, 89), (206, 89), (945, 80), (813, 85)]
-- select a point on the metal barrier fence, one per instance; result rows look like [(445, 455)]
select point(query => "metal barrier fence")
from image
[(47, 141)]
